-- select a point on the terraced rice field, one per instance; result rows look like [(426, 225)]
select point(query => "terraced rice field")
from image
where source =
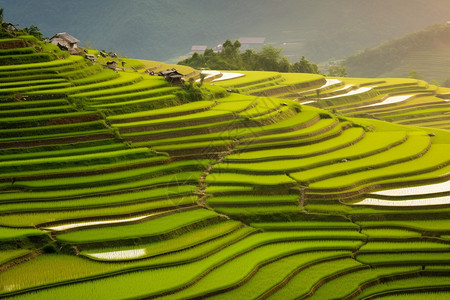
[(114, 186), (403, 101)]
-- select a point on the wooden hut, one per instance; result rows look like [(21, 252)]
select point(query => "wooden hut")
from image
[(65, 40)]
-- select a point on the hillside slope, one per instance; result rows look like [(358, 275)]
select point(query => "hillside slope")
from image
[(163, 30), (118, 185), (427, 52)]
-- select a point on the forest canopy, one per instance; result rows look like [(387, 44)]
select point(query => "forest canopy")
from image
[(230, 57)]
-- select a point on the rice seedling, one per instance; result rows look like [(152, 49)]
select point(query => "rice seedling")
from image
[(416, 190), (437, 295), (252, 199), (150, 227), (185, 241), (348, 136), (233, 272), (430, 161), (390, 233), (431, 224), (302, 283), (344, 285), (400, 153), (360, 149), (406, 203), (305, 225), (374, 246), (244, 179), (409, 288), (419, 258), (7, 255), (10, 234), (271, 276)]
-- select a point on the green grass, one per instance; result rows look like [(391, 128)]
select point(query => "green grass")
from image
[(302, 283), (67, 161), (390, 233), (68, 152), (419, 258), (9, 234), (7, 255), (37, 111), (148, 228), (403, 152), (411, 288), (25, 50), (41, 123), (185, 241), (127, 82), (251, 77), (167, 200), (363, 148), (50, 64), (157, 113), (252, 200), (148, 125), (348, 136), (38, 88), (236, 270), (345, 284), (166, 180), (272, 275), (402, 247), (125, 198), (57, 268), (292, 235), (58, 147), (318, 128), (135, 174), (103, 75), (307, 225), (244, 179), (432, 224), (84, 90), (432, 160), (36, 132), (31, 82)]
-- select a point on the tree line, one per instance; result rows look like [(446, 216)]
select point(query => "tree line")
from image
[(268, 58), (8, 30)]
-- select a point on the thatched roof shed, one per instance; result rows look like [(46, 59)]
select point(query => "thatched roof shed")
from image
[(65, 39), (172, 76)]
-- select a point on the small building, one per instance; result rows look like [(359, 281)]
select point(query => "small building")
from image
[(251, 42), (112, 65), (91, 57), (198, 49), (11, 27), (218, 48), (65, 41), (172, 76)]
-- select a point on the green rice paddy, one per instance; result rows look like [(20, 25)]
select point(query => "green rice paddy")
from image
[(118, 185)]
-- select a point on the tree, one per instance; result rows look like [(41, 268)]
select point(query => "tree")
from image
[(305, 66), (249, 59), (268, 58), (1, 15), (337, 71), (435, 82), (446, 83), (413, 74), (34, 31)]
